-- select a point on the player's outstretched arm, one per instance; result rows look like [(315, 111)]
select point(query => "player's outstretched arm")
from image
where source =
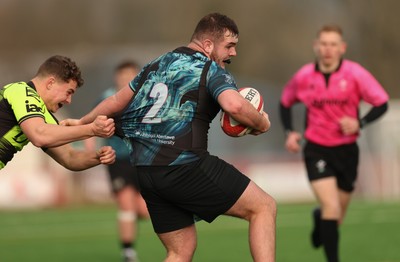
[(110, 106), (42, 134), (77, 160)]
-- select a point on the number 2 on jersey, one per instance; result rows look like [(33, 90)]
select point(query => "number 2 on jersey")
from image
[(160, 93)]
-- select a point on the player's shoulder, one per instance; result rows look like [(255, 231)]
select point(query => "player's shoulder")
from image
[(16, 88), (215, 68), (351, 64), (307, 68), (217, 72), (305, 71), (16, 85), (352, 67)]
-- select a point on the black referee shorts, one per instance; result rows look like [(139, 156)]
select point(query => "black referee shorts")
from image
[(177, 195), (338, 161)]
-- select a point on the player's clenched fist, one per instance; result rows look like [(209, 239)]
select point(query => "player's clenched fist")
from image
[(267, 125), (106, 155), (292, 143), (349, 125), (103, 126)]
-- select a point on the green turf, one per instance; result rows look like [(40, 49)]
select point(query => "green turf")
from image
[(371, 233)]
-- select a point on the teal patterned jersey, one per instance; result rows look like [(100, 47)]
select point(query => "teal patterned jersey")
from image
[(167, 121)]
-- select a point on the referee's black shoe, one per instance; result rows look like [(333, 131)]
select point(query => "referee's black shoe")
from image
[(315, 234)]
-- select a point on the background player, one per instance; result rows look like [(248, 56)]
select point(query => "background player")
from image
[(331, 89), (122, 173)]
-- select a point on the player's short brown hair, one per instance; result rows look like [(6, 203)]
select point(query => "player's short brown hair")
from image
[(62, 68), (214, 25), (330, 28), (127, 64)]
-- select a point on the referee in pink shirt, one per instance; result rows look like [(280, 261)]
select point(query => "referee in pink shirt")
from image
[(331, 90)]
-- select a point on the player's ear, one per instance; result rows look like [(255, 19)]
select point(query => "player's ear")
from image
[(50, 82), (343, 47), (208, 46), (315, 47)]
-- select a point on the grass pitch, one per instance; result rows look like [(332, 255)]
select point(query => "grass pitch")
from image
[(370, 233)]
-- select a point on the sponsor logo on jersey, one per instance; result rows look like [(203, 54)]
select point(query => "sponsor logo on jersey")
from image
[(229, 79), (33, 108), (330, 102), (20, 138), (30, 92)]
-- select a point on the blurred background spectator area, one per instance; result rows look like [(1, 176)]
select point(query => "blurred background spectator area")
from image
[(275, 40)]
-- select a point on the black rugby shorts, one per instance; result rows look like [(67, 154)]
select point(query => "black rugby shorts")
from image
[(176, 196), (338, 161), (122, 174)]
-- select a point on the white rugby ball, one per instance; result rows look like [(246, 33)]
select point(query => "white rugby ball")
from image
[(233, 128)]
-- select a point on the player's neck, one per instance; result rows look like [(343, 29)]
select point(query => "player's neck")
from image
[(328, 68), (197, 47)]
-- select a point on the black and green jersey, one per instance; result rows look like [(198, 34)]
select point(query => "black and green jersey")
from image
[(175, 101), (18, 102)]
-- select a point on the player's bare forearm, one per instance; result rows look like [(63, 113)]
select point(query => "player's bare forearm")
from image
[(249, 116), (265, 126), (78, 160), (42, 134), (242, 111)]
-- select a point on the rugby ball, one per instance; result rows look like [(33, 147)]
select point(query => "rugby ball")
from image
[(233, 128)]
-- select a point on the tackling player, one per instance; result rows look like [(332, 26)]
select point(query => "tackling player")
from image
[(26, 116)]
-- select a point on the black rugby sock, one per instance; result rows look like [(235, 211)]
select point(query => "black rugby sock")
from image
[(126, 245), (330, 239), (316, 232)]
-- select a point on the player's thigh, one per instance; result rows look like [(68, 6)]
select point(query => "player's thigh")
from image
[(253, 200), (181, 240), (327, 193)]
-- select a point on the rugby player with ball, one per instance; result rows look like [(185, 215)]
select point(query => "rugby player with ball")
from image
[(166, 114)]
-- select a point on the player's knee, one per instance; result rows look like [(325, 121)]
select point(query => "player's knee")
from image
[(126, 216), (182, 256), (184, 252), (331, 211), (267, 207), (270, 205)]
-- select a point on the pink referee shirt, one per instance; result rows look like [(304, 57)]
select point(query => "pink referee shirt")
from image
[(326, 105)]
